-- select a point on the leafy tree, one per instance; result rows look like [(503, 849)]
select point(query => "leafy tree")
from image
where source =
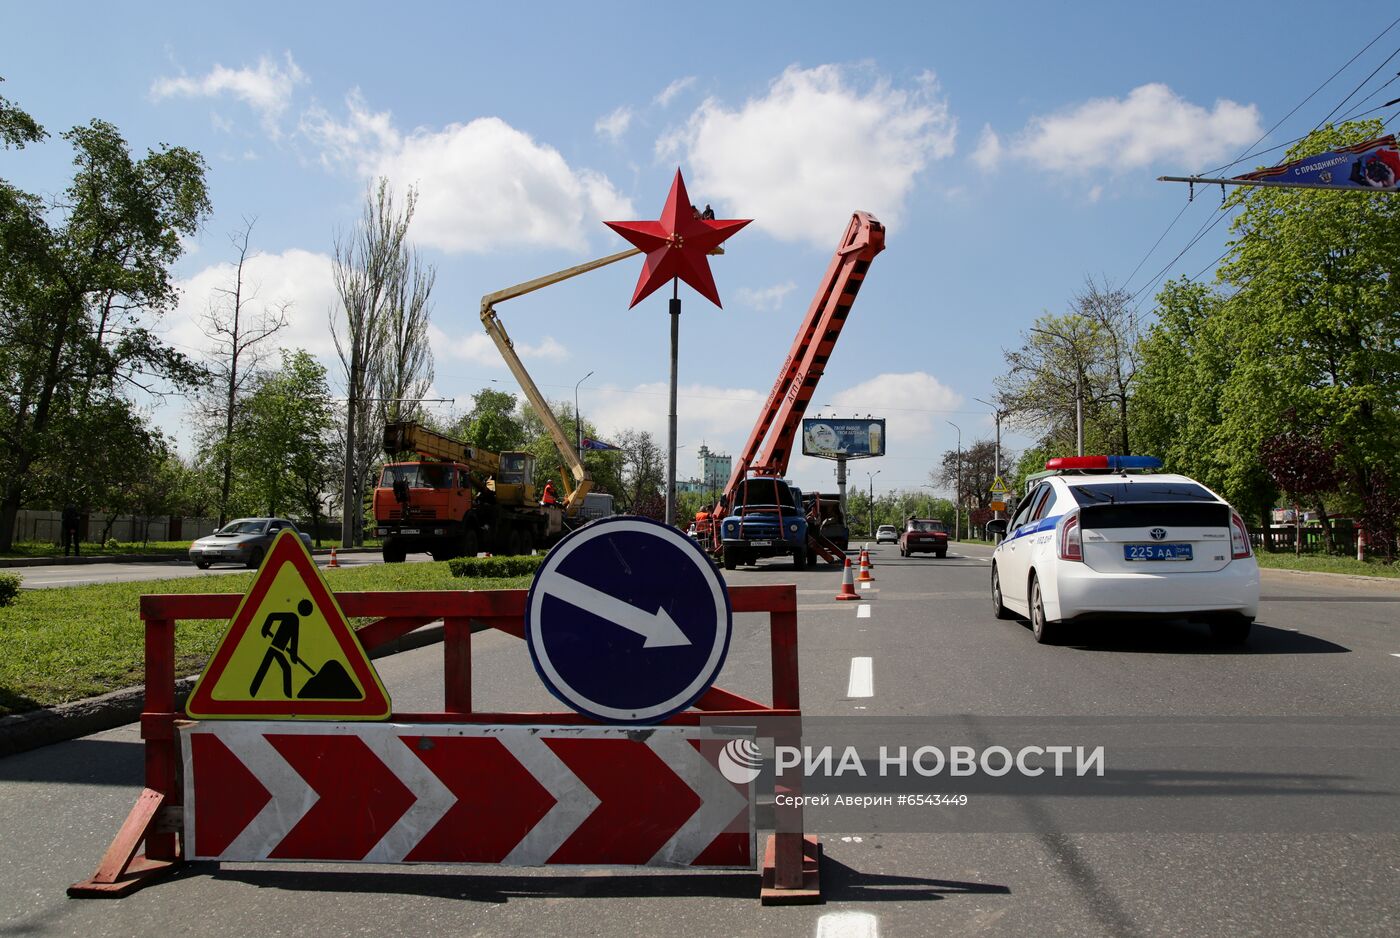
[(978, 472), (493, 423), (1305, 469), (79, 279), (284, 441)]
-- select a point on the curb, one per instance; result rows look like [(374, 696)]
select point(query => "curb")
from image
[(144, 558), (1357, 578), (20, 732)]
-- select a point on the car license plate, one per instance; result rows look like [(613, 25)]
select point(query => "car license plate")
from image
[(1156, 551), (408, 531), (760, 543)]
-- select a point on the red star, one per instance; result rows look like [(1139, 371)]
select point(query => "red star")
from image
[(677, 245)]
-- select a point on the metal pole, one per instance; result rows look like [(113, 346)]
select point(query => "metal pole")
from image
[(841, 482), (1078, 413), (671, 427), (578, 420), (349, 503), (957, 494)]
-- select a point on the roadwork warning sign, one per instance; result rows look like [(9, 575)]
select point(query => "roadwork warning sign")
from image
[(289, 652)]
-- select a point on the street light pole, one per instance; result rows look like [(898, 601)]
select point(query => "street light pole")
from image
[(957, 493), (578, 420), (871, 476)]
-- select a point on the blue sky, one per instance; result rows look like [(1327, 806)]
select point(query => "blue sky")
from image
[(1011, 154)]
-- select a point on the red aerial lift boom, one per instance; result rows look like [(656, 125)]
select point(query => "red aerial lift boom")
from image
[(781, 417)]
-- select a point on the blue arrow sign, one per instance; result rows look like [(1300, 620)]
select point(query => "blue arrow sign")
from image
[(628, 621)]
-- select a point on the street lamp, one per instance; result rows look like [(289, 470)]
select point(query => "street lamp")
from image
[(871, 476), (957, 491), (578, 420)]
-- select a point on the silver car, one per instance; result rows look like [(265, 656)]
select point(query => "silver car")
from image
[(244, 541)]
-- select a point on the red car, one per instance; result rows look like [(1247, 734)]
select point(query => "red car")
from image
[(924, 534)]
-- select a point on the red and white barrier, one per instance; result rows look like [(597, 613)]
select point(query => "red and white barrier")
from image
[(513, 795)]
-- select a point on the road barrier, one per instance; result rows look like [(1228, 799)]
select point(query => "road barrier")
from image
[(561, 788)]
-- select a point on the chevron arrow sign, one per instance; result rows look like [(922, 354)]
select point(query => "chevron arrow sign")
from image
[(456, 793)]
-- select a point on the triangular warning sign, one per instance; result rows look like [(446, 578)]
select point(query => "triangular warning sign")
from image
[(289, 652), (999, 487)]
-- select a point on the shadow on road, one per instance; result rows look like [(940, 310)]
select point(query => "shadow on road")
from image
[(78, 762), (1182, 638), (841, 883), (497, 888)]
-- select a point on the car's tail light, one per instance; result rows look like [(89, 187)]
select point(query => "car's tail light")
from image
[(1071, 543), (1239, 537)]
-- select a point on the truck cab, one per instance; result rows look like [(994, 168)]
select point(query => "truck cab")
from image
[(766, 519)]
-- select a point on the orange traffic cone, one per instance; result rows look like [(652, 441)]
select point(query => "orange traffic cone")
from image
[(865, 576), (848, 583), (334, 562), (868, 562)]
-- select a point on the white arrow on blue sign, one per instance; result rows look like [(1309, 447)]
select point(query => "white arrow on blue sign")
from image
[(628, 621)]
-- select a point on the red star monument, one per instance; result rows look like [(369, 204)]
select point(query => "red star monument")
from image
[(677, 245)]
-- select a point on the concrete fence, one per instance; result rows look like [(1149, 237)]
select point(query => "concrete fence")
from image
[(36, 525)]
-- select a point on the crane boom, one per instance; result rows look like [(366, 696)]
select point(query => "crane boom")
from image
[(406, 436), (811, 349), (583, 482)]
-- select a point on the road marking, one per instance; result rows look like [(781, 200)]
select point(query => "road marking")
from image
[(848, 925), (862, 680), (863, 611), (1395, 654), (865, 585)]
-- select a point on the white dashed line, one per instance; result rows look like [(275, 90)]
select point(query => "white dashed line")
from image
[(863, 611), (865, 585), (1395, 654), (848, 925), (862, 681)]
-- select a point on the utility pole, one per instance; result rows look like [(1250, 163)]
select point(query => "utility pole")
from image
[(957, 494), (871, 476), (671, 421), (997, 413)]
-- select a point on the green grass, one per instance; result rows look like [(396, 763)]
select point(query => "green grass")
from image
[(1321, 563), (72, 642)]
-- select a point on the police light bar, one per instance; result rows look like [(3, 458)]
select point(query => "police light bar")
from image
[(1111, 463)]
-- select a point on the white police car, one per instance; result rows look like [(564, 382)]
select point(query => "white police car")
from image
[(1107, 537)]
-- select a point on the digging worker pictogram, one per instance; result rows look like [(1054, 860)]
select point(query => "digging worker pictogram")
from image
[(284, 647)]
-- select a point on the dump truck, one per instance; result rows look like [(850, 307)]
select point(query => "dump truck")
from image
[(457, 499)]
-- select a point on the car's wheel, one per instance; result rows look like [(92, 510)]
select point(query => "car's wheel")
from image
[(395, 553), (468, 544), (1046, 632), (1231, 629), (799, 559), (998, 608), (255, 558), (202, 564), (729, 561), (941, 554)]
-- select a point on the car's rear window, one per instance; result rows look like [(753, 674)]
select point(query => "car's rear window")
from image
[(1115, 493), (927, 526)]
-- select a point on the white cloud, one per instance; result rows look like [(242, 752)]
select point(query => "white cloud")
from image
[(721, 415), (818, 145), (1152, 125), (914, 402), (614, 125), (988, 152), (267, 87), (476, 348), (668, 94), (482, 186), (300, 280), (766, 297), (1095, 193)]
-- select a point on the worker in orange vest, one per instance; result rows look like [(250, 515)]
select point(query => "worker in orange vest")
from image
[(548, 497)]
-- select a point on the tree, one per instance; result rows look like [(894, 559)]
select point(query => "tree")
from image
[(493, 422), (367, 268), (235, 333), (406, 367), (78, 279), (978, 472), (285, 442), (643, 474), (1304, 468)]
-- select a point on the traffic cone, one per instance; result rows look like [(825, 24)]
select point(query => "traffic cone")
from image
[(334, 562), (865, 576), (848, 583), (868, 562)]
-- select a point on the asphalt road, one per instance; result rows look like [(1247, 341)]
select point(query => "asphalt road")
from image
[(1291, 733), (79, 574)]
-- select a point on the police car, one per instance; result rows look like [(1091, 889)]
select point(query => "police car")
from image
[(1110, 537)]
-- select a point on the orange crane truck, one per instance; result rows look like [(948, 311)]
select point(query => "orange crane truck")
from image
[(457, 499)]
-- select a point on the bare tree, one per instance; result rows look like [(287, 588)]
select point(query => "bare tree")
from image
[(406, 369), (367, 267), (236, 326), (1107, 308)]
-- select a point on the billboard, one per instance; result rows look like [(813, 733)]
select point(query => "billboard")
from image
[(856, 438), (1374, 164)]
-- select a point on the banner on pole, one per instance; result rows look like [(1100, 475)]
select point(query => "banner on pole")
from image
[(1374, 164)]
